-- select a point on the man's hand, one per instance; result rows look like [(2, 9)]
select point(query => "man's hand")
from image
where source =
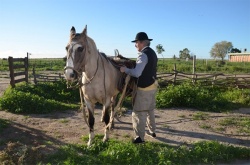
[(122, 69)]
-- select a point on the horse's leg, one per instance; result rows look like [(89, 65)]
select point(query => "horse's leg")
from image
[(91, 122), (112, 114), (106, 119)]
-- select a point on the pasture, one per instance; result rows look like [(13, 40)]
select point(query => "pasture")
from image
[(164, 65), (195, 125)]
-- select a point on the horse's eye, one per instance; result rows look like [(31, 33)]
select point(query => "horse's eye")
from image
[(80, 49)]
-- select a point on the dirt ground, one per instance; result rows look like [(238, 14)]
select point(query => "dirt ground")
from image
[(174, 127)]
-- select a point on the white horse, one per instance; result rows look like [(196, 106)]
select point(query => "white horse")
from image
[(96, 76)]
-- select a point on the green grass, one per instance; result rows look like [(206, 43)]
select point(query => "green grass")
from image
[(203, 66), (205, 126), (64, 120), (211, 99), (30, 98), (200, 116), (242, 123), (3, 124), (124, 152), (48, 64), (164, 65), (118, 152)]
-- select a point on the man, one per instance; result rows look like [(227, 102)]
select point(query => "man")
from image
[(144, 101)]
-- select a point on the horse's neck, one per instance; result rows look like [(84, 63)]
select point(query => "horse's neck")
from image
[(96, 63), (91, 63)]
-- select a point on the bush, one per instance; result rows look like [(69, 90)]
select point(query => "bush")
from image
[(203, 98), (51, 90), (46, 97), (41, 98)]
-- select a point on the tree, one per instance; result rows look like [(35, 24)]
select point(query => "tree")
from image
[(235, 50), (220, 49), (185, 53), (160, 49)]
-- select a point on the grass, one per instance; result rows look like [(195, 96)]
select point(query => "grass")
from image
[(64, 120), (3, 124), (205, 126), (182, 116), (200, 116), (164, 65), (242, 124), (124, 152)]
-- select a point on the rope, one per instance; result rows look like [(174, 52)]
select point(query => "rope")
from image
[(118, 105), (82, 108), (104, 84)]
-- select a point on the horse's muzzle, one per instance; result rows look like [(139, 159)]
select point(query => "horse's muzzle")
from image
[(70, 73), (73, 75)]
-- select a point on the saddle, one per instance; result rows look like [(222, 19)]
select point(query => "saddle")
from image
[(119, 61)]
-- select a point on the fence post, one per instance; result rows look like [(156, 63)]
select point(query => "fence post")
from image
[(34, 74), (235, 78), (194, 60), (175, 73), (213, 82), (26, 64), (12, 80)]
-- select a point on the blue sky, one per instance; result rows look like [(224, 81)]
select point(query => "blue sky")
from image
[(42, 27)]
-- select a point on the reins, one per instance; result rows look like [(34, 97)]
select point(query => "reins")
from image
[(80, 75)]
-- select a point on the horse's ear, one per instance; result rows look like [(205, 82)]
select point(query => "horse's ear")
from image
[(85, 30), (72, 31)]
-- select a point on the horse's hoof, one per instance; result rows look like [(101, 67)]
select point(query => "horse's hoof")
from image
[(112, 126), (105, 140), (102, 119)]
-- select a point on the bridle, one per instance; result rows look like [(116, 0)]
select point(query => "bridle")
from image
[(78, 81)]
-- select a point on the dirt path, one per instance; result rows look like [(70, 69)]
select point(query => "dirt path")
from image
[(174, 126)]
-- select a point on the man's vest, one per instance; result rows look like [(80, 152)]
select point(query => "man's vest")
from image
[(148, 75)]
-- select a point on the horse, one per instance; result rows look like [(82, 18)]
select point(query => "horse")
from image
[(96, 77)]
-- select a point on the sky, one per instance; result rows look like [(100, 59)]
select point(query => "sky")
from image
[(42, 27)]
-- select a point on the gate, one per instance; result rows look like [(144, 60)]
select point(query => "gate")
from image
[(22, 68)]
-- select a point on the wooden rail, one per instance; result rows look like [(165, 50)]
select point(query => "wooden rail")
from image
[(45, 78), (218, 79)]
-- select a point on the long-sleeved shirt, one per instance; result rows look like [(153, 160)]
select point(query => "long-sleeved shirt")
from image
[(141, 62)]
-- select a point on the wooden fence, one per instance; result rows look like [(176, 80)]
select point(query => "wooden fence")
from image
[(218, 79), (16, 77), (45, 78)]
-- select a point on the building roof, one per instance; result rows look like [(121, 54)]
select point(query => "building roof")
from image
[(239, 54)]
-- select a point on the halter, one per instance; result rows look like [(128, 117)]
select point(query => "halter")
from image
[(78, 83)]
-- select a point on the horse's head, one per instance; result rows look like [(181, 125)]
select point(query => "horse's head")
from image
[(76, 52)]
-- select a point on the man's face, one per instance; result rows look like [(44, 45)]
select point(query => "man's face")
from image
[(139, 45)]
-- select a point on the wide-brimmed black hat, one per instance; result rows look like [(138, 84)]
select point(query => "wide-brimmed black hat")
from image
[(141, 36)]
